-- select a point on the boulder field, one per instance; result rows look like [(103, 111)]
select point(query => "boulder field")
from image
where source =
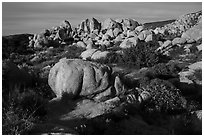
[(112, 77)]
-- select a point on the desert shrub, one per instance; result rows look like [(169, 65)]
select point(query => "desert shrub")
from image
[(20, 111), (142, 55), (177, 51), (164, 70), (193, 105), (15, 121), (165, 97), (185, 125), (15, 43)]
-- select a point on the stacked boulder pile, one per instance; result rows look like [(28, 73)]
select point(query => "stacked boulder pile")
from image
[(94, 36), (52, 37)]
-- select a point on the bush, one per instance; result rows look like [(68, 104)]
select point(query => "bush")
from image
[(142, 55), (164, 70), (21, 111), (15, 121), (165, 97)]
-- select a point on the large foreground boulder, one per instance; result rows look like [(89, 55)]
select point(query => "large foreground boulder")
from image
[(76, 77)]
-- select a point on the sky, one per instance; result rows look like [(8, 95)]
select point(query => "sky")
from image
[(34, 17)]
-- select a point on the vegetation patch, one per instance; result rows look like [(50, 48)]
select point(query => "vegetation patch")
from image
[(165, 97)]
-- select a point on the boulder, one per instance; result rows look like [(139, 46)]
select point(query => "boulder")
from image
[(179, 41), (61, 35), (111, 24), (89, 43), (142, 36), (131, 33), (110, 33), (194, 33), (84, 26), (116, 32), (90, 46), (129, 24), (88, 53), (130, 42), (40, 41), (81, 44), (167, 43), (100, 55), (149, 38), (196, 66), (190, 82), (165, 46), (199, 47), (90, 25), (72, 78), (66, 24), (139, 28), (95, 25), (118, 38)]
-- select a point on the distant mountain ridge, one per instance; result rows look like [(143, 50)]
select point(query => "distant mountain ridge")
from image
[(153, 25)]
